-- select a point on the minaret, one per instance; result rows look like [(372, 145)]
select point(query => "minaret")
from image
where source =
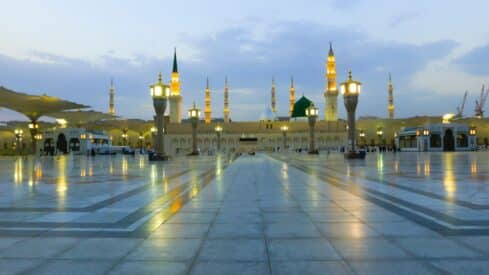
[(226, 101), (207, 111), (111, 99), (390, 107), (291, 96), (175, 97), (274, 110), (331, 93)]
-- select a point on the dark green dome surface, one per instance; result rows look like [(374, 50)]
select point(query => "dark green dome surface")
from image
[(300, 107)]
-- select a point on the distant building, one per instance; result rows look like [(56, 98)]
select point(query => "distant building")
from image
[(437, 138), (73, 140)]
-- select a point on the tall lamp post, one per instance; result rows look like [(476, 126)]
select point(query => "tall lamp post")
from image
[(194, 114), (160, 93), (351, 90), (218, 130), (380, 133), (18, 138), (362, 137), (284, 129), (153, 136), (124, 136), (33, 128), (141, 141), (312, 114)]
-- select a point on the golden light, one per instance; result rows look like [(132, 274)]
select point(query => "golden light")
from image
[(449, 180), (159, 89), (426, 132), (380, 132), (447, 118), (194, 112), (83, 136), (353, 88), (62, 122), (284, 128), (362, 133), (473, 131), (154, 130), (218, 128), (312, 111), (38, 137), (33, 125), (350, 86)]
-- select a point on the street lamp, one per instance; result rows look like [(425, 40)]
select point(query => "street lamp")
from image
[(124, 136), (194, 115), (351, 90), (380, 133), (18, 137), (160, 93), (141, 141), (362, 137), (312, 114), (33, 128), (284, 129), (473, 131), (218, 130)]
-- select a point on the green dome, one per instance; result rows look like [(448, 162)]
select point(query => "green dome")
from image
[(300, 107)]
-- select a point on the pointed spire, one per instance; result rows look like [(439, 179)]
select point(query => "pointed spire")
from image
[(273, 80), (159, 78), (291, 82), (207, 83), (349, 75), (111, 83), (175, 66), (226, 81), (331, 53), (390, 78)]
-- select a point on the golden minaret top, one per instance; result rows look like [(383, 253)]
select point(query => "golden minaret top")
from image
[(291, 96), (111, 98), (273, 96), (226, 100), (207, 112), (390, 107), (331, 91), (175, 78)]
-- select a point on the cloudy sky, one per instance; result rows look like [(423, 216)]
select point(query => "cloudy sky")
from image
[(435, 51)]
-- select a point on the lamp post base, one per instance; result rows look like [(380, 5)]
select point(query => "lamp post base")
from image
[(156, 157), (313, 152), (355, 155), (195, 153)]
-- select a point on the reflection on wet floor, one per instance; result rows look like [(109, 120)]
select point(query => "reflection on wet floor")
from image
[(70, 181), (263, 214), (453, 175)]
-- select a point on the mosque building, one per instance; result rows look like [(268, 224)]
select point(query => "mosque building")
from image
[(330, 134), (269, 131)]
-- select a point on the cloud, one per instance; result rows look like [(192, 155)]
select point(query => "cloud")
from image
[(475, 61), (344, 4), (403, 18), (247, 59)]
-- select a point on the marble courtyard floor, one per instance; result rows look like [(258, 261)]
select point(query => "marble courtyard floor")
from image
[(405, 213)]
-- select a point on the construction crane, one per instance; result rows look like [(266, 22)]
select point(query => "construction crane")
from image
[(460, 109), (479, 104)]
